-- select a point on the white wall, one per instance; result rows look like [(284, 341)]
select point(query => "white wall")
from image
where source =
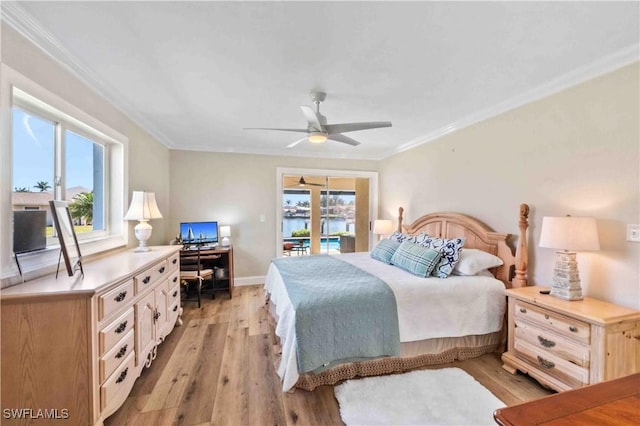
[(576, 152), (236, 190)]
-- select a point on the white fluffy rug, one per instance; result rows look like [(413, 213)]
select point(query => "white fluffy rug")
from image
[(447, 396)]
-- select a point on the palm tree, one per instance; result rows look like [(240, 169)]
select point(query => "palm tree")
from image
[(21, 189), (82, 207), (42, 185)]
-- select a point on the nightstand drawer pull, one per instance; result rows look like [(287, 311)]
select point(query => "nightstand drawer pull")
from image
[(573, 329), (546, 342), (545, 363), (523, 310)]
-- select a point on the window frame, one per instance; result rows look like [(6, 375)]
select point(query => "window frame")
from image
[(17, 90)]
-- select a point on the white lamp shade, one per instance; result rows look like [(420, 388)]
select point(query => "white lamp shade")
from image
[(569, 233), (143, 207), (382, 227), (225, 231)]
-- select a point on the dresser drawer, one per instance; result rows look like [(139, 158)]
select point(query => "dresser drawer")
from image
[(174, 311), (174, 261), (147, 278), (115, 331), (114, 300), (174, 294), (558, 345), (118, 385), (174, 278), (561, 324), (542, 360), (116, 356)]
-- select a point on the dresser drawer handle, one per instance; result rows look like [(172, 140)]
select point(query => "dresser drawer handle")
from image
[(175, 293), (174, 261), (175, 308), (120, 297), (573, 329), (123, 375), (546, 342), (146, 279), (122, 351), (545, 363), (523, 310), (122, 327), (546, 317), (161, 270), (175, 279)]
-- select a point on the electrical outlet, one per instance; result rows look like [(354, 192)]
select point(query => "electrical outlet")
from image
[(633, 233)]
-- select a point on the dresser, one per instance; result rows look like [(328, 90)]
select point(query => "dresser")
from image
[(73, 347), (569, 344)]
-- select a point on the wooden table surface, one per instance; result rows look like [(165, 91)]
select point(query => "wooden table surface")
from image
[(614, 402)]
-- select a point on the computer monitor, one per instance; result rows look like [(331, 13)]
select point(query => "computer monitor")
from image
[(199, 232)]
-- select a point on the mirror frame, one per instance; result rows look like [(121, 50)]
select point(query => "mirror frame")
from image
[(67, 237)]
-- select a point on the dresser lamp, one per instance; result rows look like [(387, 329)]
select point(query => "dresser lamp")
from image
[(382, 227), (225, 233), (568, 234), (143, 208)]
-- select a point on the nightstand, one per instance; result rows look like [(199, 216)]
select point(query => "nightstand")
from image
[(569, 344)]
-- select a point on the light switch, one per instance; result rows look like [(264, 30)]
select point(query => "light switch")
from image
[(633, 233), (263, 218)]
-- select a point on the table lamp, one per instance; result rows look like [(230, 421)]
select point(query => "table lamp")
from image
[(568, 234), (143, 208), (382, 227), (225, 233)]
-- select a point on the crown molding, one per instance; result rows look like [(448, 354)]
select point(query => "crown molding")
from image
[(26, 25), (595, 69)]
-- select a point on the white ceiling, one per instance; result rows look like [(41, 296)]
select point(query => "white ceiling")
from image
[(194, 74)]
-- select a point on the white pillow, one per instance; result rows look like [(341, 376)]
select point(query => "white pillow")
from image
[(473, 261)]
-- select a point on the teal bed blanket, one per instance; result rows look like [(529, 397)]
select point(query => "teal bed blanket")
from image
[(342, 313)]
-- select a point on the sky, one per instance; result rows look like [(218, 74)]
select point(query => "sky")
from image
[(33, 154)]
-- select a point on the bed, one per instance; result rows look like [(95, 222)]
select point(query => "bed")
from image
[(438, 320)]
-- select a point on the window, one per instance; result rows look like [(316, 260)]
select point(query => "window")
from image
[(53, 150)]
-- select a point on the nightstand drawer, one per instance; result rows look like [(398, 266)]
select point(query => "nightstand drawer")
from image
[(563, 370), (566, 326), (552, 343)]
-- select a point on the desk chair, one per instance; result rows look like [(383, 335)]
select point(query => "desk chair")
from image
[(192, 272)]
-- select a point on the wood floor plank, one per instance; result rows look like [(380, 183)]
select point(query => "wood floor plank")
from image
[(197, 402), (219, 369)]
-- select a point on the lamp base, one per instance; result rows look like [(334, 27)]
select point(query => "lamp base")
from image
[(143, 233), (566, 279), (225, 242)]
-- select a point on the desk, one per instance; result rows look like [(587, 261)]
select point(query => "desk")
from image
[(614, 402), (220, 259)]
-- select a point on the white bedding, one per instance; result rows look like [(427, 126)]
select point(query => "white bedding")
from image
[(427, 307)]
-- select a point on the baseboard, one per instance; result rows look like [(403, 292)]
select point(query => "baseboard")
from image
[(248, 281)]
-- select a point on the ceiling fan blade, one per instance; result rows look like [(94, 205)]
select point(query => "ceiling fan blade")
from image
[(352, 127), (269, 128), (291, 145), (314, 121), (344, 139)]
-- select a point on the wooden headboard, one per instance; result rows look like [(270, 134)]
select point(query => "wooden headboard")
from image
[(479, 236)]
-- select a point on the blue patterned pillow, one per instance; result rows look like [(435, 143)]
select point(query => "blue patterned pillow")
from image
[(416, 259), (449, 253), (400, 237), (385, 250)]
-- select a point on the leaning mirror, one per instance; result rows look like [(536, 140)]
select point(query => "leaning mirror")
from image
[(69, 248)]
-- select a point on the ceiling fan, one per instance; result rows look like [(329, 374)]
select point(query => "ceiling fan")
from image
[(318, 131), (303, 183)]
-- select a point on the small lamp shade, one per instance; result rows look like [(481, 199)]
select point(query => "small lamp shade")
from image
[(143, 208), (225, 233), (382, 227), (568, 234)]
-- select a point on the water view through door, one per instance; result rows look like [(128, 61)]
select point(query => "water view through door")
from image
[(324, 214)]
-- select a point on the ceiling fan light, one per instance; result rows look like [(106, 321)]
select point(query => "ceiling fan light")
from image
[(317, 137)]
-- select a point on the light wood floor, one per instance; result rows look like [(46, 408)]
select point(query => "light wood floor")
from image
[(218, 369)]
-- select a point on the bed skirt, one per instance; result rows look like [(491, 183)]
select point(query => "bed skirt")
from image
[(419, 354)]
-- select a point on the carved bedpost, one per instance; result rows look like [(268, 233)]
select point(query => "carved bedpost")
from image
[(522, 258), (400, 211)]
